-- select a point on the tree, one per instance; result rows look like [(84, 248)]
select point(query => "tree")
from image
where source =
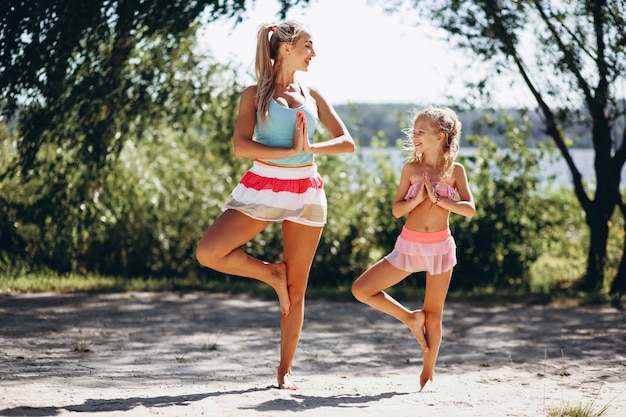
[(85, 77), (574, 76)]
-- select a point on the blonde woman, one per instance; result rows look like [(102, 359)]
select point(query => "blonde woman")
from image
[(432, 185), (275, 127)]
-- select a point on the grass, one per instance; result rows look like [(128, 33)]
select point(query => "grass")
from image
[(581, 410), (81, 346), (182, 359), (210, 347), (408, 290), (43, 282), (568, 410)]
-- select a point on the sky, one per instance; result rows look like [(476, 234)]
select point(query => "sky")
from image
[(364, 55)]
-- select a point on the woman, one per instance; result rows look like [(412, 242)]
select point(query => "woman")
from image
[(275, 126)]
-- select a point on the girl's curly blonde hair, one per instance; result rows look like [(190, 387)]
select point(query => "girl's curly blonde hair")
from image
[(447, 121)]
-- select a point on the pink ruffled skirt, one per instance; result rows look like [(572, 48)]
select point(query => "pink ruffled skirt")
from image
[(424, 251)]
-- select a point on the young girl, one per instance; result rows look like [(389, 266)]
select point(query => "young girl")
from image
[(275, 126), (432, 185)]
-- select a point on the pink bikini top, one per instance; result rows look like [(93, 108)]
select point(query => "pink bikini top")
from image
[(445, 190)]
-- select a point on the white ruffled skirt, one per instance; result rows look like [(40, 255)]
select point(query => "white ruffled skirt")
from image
[(278, 193)]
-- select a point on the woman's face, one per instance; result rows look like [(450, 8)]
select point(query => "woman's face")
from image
[(301, 52)]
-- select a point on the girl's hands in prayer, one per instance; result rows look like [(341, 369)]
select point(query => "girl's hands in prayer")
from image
[(432, 195), (422, 194)]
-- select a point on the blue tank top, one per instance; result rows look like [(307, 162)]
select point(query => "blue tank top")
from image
[(278, 128)]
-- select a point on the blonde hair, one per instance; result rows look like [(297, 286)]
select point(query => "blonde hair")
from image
[(269, 39), (446, 120)]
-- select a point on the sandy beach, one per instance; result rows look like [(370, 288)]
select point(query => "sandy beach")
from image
[(199, 354)]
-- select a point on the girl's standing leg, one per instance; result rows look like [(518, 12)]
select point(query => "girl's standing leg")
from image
[(219, 249), (299, 246), (368, 289), (434, 298)]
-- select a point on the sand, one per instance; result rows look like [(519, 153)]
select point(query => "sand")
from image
[(199, 354)]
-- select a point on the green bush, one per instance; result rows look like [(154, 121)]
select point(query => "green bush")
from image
[(167, 186), (515, 222), (360, 227)]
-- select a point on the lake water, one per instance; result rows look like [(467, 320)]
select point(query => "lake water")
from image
[(583, 158)]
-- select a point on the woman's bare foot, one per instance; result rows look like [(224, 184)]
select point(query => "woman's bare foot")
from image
[(286, 383), (279, 275), (417, 328)]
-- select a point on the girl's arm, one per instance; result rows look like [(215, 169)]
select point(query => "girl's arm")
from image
[(465, 205), (341, 139), (243, 144), (400, 205)]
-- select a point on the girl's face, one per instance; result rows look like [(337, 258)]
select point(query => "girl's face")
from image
[(426, 135), (301, 52)]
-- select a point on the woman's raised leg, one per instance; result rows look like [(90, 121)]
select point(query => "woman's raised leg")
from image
[(299, 246), (219, 249)]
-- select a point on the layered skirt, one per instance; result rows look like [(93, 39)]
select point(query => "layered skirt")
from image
[(278, 193), (433, 252)]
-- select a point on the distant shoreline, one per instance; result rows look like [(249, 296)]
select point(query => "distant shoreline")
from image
[(583, 157), (385, 120)]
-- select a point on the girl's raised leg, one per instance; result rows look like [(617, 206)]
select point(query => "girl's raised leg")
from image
[(369, 289)]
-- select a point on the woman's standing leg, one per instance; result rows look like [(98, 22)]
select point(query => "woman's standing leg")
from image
[(219, 249), (299, 246), (434, 298)]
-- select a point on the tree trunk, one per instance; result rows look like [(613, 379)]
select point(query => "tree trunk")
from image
[(596, 257), (618, 286)]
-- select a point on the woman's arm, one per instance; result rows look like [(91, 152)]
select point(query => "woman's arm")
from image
[(341, 139), (243, 144)]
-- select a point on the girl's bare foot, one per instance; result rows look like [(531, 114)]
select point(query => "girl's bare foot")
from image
[(279, 274), (417, 328), (427, 383), (286, 383)]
